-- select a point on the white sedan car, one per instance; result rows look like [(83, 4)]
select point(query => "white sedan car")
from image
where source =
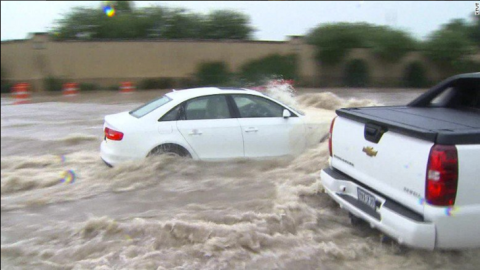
[(207, 124)]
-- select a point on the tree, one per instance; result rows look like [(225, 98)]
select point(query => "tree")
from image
[(151, 22), (475, 31), (391, 45), (224, 24), (450, 45), (182, 25), (123, 6), (334, 41)]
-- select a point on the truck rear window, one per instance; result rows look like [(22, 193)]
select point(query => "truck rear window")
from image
[(463, 93)]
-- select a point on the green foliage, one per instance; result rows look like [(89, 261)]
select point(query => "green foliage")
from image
[(224, 24), (356, 73), (475, 31), (334, 41), (275, 65), (113, 87), (391, 45), (53, 84), (415, 75), (151, 22), (450, 45), (184, 83), (466, 66), (156, 83), (6, 87), (470, 29), (213, 74), (89, 86), (123, 6)]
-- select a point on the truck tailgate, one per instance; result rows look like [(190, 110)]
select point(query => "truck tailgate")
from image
[(395, 165)]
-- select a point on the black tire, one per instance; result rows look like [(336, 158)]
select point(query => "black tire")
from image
[(171, 150), (354, 220)]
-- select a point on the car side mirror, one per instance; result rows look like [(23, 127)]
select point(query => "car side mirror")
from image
[(286, 114)]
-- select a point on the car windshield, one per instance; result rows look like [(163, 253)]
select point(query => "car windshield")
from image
[(150, 106)]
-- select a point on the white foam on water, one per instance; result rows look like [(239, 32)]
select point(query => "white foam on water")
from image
[(173, 213)]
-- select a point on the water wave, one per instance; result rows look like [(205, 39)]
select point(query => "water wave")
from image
[(174, 213)]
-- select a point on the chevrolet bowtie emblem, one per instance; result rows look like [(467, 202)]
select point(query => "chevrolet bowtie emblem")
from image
[(369, 151)]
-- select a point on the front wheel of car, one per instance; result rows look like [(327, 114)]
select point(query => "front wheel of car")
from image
[(170, 150)]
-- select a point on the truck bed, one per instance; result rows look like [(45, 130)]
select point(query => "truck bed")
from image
[(447, 126)]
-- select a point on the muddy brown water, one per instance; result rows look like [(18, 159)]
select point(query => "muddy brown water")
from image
[(170, 213)]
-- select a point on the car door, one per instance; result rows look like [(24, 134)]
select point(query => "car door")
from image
[(209, 128), (266, 133)]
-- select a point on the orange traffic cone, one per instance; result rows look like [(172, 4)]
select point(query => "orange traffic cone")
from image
[(70, 89), (20, 93), (127, 87)]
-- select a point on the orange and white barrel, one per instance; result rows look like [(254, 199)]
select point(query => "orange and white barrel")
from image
[(127, 87), (70, 89), (21, 93)]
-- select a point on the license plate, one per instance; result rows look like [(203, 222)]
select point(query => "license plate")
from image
[(366, 198)]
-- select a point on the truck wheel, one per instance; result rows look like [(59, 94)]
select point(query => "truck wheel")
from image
[(354, 220)]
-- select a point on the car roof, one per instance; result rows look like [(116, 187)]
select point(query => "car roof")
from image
[(206, 91)]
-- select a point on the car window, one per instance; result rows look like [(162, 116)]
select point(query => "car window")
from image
[(211, 107), (172, 115), (253, 106), (150, 106)]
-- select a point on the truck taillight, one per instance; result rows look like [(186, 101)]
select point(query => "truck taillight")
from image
[(442, 175), (330, 133), (113, 134)]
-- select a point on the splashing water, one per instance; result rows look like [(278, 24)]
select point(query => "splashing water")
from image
[(174, 213), (282, 91)]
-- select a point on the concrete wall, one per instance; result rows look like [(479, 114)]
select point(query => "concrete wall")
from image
[(381, 73), (110, 62)]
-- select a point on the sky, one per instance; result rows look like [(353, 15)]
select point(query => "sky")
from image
[(273, 20)]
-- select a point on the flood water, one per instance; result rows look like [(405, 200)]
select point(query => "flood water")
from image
[(173, 213)]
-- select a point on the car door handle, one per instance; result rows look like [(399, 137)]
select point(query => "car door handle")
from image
[(252, 129), (195, 132)]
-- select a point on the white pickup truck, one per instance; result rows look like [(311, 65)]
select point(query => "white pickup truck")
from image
[(412, 172)]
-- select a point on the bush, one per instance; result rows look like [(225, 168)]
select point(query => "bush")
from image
[(275, 65), (53, 84), (156, 83), (415, 75), (184, 83), (466, 66), (89, 86), (356, 73), (6, 87), (113, 87), (213, 74)]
